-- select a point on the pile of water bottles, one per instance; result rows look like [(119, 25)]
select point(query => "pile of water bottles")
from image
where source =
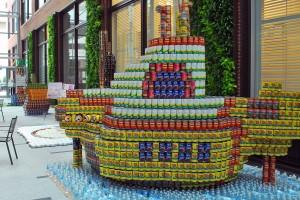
[(84, 184)]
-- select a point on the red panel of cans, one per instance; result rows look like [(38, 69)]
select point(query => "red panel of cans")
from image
[(166, 76), (187, 40), (167, 67), (74, 93), (95, 101), (169, 125), (236, 135), (269, 169), (229, 102)]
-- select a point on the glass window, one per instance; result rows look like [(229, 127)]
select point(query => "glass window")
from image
[(42, 48), (27, 10), (82, 12), (42, 63), (24, 48), (114, 2), (74, 45), (81, 57), (42, 35), (280, 42), (126, 35), (69, 57), (41, 3), (42, 52), (14, 20), (69, 19)]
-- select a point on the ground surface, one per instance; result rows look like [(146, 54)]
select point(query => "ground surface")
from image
[(26, 180)]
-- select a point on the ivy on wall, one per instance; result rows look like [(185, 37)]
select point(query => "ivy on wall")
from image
[(93, 42), (30, 57), (213, 19), (51, 48)]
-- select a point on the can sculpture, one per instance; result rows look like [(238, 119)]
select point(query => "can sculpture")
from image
[(156, 127)]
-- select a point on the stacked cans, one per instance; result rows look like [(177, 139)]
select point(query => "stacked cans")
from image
[(36, 102), (165, 20)]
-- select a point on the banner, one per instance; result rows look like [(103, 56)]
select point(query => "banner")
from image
[(55, 90)]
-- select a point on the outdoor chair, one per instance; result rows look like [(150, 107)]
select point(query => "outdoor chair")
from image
[(9, 136), (1, 105)]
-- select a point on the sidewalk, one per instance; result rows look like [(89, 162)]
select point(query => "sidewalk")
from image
[(26, 178)]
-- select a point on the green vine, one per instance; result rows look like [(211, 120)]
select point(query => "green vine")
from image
[(93, 42), (30, 57), (51, 48), (213, 19)]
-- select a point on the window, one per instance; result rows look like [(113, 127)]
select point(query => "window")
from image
[(114, 2), (280, 42), (40, 3), (82, 13), (81, 57), (126, 35), (74, 55), (69, 57), (42, 54), (24, 49), (14, 25), (26, 10), (69, 19)]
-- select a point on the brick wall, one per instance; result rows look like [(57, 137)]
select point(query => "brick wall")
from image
[(39, 18)]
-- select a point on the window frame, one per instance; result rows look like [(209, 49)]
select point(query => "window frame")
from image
[(124, 4), (255, 69), (37, 4), (26, 11), (73, 29), (39, 45)]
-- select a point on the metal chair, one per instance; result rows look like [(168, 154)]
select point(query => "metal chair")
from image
[(1, 105), (9, 136)]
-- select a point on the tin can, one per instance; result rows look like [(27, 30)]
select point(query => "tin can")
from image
[(266, 170)]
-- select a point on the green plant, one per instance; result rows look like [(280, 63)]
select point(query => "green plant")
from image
[(93, 42), (30, 57), (51, 48), (213, 19)]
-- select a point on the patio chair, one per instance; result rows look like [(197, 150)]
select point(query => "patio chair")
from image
[(1, 105), (9, 136)]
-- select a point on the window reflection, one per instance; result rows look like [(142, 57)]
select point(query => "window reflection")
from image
[(69, 19), (42, 54), (74, 45), (81, 57), (82, 12), (69, 58)]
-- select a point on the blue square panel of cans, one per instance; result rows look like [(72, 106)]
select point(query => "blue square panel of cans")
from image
[(204, 152), (165, 151), (145, 149), (185, 152)]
